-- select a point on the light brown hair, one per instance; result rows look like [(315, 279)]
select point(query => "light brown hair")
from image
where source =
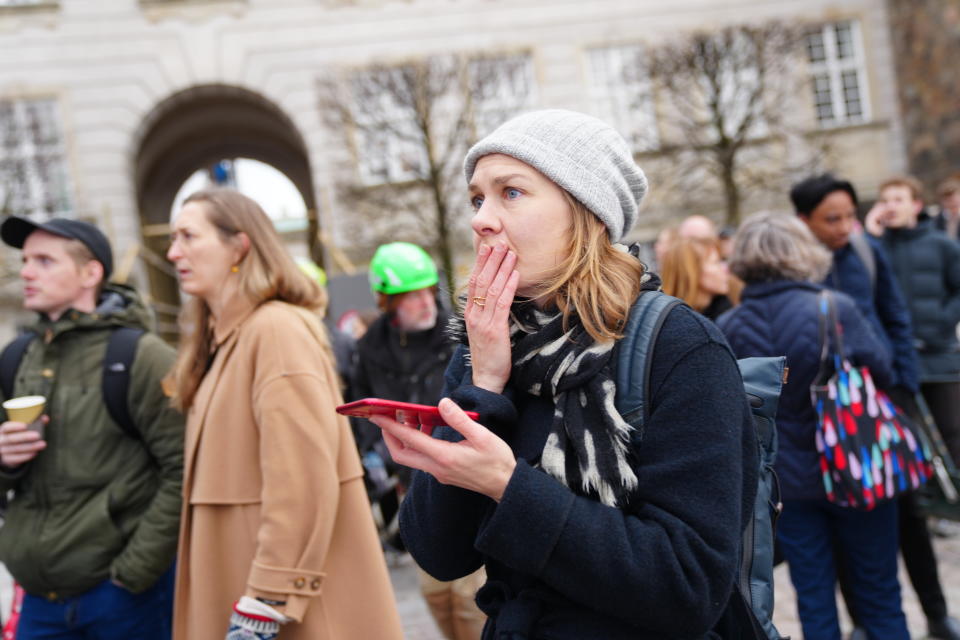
[(266, 272), (595, 280), (81, 256), (916, 189), (948, 187), (682, 267)]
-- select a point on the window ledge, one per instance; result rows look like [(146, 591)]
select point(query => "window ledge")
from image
[(29, 7), (156, 10)]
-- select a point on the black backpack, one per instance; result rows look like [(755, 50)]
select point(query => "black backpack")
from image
[(749, 613), (117, 363)]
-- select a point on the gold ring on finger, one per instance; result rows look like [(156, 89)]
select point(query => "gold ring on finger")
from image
[(480, 301)]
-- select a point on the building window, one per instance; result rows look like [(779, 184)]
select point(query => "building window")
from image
[(500, 87), (838, 75), (26, 3), (621, 94), (389, 145), (33, 168), (390, 139)]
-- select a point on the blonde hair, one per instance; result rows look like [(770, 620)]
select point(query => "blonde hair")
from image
[(596, 281), (777, 246), (682, 267), (266, 272)]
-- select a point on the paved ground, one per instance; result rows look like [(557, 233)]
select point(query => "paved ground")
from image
[(418, 625), (948, 555), (417, 622)]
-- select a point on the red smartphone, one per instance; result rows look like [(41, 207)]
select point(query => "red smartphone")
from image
[(405, 412)]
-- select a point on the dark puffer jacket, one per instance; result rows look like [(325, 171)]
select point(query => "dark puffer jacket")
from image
[(96, 502), (881, 302), (780, 319), (927, 265)]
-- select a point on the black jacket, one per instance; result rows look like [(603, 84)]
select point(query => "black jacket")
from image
[(396, 365), (563, 566), (927, 265), (881, 302)]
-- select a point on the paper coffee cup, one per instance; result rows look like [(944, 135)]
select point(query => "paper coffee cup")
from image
[(25, 408)]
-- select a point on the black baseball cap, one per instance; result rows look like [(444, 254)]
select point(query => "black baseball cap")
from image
[(14, 232)]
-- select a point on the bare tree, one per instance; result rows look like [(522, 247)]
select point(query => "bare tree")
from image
[(32, 176), (727, 108), (409, 126)]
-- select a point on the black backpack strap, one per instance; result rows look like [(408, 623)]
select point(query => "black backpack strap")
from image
[(117, 364), (10, 361), (865, 252), (646, 318)]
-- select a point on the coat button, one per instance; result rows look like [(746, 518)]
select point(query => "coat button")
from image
[(315, 584), (47, 373), (300, 583)]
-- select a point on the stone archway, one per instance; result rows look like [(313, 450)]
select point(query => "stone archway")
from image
[(193, 129)]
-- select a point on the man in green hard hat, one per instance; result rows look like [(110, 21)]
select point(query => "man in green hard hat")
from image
[(404, 353), (403, 356)]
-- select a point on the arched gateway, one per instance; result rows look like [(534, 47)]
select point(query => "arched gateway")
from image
[(195, 128)]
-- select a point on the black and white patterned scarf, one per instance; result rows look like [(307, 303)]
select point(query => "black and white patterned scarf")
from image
[(588, 445)]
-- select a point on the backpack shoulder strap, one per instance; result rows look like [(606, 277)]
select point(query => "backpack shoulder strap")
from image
[(10, 361), (117, 364), (864, 251), (635, 351)]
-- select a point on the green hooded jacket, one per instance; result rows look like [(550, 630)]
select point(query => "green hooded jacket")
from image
[(96, 503)]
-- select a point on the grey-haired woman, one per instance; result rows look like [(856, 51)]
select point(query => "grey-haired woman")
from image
[(780, 260)]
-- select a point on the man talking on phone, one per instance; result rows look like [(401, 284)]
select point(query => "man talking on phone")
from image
[(91, 530)]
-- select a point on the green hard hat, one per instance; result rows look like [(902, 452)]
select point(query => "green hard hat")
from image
[(400, 267), (310, 268)]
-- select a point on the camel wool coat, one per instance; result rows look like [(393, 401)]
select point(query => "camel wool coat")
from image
[(274, 504)]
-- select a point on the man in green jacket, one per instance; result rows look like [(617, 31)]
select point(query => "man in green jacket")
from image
[(91, 530)]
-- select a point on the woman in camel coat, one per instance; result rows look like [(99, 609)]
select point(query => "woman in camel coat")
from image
[(277, 535)]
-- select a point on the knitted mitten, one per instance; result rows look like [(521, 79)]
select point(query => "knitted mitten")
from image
[(246, 625)]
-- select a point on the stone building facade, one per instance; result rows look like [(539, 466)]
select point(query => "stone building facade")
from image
[(107, 106)]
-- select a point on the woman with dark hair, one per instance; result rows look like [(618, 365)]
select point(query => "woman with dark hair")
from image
[(779, 259), (277, 535), (587, 527)]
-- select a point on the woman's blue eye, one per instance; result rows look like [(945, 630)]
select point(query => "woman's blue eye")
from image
[(511, 193), (476, 201)]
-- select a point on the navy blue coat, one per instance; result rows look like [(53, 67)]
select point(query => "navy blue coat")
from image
[(882, 304), (563, 566), (927, 264), (780, 319)]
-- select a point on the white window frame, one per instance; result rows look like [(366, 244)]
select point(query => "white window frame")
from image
[(624, 100), (399, 159), (515, 90), (16, 4), (834, 69), (29, 151)]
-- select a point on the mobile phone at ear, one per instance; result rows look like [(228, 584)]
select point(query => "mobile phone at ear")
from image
[(405, 412)]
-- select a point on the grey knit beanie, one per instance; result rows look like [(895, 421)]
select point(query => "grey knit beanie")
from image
[(582, 154)]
